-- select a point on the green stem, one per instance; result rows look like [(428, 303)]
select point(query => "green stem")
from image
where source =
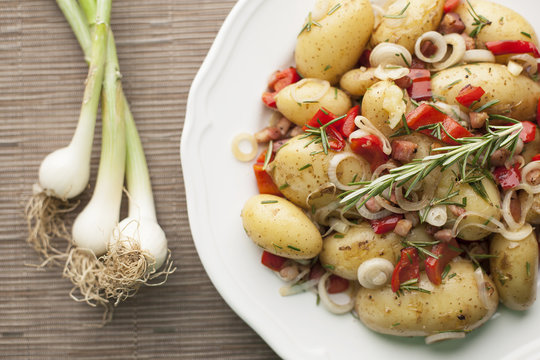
[(78, 23), (89, 8), (141, 203)]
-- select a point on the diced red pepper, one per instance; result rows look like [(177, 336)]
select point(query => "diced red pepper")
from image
[(469, 94), (274, 262), (264, 181), (507, 178), (450, 5), (528, 133), (370, 147), (321, 117), (348, 125), (336, 284), (427, 115), (278, 81), (536, 157), (386, 224), (407, 268), (445, 251), (512, 47), (335, 140), (421, 86)]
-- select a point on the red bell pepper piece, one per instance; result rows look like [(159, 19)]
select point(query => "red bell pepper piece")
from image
[(274, 262), (321, 117), (386, 224), (427, 115), (370, 147), (421, 84), (469, 94), (264, 181), (528, 133), (536, 157), (450, 5), (435, 266), (407, 268), (507, 178), (512, 47), (335, 140), (348, 126), (336, 284), (278, 81)]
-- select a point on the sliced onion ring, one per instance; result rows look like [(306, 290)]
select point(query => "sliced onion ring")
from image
[(390, 72), (238, 153), (527, 61), (332, 171), (457, 43), (390, 54), (328, 303), (514, 68), (513, 235), (449, 335), (366, 126), (478, 56), (438, 40), (325, 86), (413, 206)]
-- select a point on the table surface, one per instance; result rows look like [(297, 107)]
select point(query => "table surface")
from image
[(161, 45)]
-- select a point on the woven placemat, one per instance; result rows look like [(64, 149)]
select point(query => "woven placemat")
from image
[(161, 45)]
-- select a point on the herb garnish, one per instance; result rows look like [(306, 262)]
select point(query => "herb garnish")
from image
[(419, 245), (410, 286), (293, 248), (268, 202), (304, 167), (486, 105), (526, 34), (528, 267), (319, 134), (309, 24), (334, 9), (268, 155), (400, 15), (479, 21), (284, 186)]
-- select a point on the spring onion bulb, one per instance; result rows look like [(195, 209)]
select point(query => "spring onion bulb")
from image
[(375, 273), (438, 40), (64, 173), (454, 56)]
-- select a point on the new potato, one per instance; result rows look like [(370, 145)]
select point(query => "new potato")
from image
[(299, 111), (514, 268), (285, 169), (279, 227), (329, 50), (343, 256), (419, 17), (357, 81), (517, 95), (453, 305)]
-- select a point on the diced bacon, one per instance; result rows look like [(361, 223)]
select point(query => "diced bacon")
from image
[(373, 206), (470, 43), (403, 150), (278, 144), (428, 48), (297, 130), (267, 134), (417, 63), (403, 227), (444, 235), (451, 23), (413, 217), (478, 120), (404, 82), (515, 207), (283, 125), (499, 157), (456, 210)]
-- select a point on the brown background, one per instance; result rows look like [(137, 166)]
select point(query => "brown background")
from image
[(161, 45)]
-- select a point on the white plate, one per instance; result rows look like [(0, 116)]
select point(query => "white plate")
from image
[(257, 38)]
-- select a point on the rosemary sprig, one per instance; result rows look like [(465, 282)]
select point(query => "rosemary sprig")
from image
[(400, 15), (318, 134), (479, 21), (309, 24), (497, 137), (412, 285)]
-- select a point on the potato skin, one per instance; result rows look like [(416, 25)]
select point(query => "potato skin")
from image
[(421, 16), (453, 305), (356, 82), (280, 227), (506, 24), (517, 95), (474, 203), (515, 281), (533, 215), (343, 256), (295, 155), (328, 51), (334, 100)]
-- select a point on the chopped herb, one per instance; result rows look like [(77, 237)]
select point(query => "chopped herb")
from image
[(319, 134), (327, 67), (318, 299), (404, 130), (339, 236), (268, 155), (269, 202), (304, 167), (488, 220), (335, 93), (400, 15), (410, 286), (420, 247), (468, 71), (334, 9), (292, 247), (395, 324), (404, 60), (276, 246), (487, 105), (528, 267), (284, 186), (310, 101), (445, 271), (329, 266), (451, 276), (309, 23), (484, 256), (313, 210), (438, 97), (526, 34), (479, 21), (452, 84)]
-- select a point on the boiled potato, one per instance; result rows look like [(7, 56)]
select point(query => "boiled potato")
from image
[(456, 304), (280, 227), (329, 50), (533, 215), (517, 95), (383, 105), (419, 17), (490, 208), (343, 255), (506, 24), (515, 270), (357, 81), (300, 170), (300, 101)]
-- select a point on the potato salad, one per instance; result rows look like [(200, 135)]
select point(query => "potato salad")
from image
[(399, 177)]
